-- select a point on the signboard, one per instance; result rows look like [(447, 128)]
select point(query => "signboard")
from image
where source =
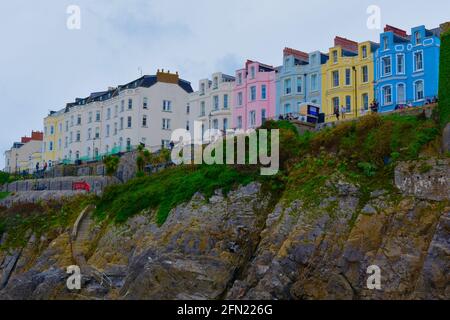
[(81, 185)]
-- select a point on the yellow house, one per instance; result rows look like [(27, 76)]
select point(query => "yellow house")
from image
[(347, 79), (53, 135)]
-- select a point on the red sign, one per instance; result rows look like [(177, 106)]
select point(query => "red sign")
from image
[(81, 185)]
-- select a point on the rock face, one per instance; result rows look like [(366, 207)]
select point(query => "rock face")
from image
[(246, 246)]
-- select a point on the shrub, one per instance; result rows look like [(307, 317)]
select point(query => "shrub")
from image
[(111, 164), (444, 83)]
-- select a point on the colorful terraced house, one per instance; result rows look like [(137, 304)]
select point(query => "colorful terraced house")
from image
[(53, 137), (347, 78), (407, 67), (254, 95), (299, 80)]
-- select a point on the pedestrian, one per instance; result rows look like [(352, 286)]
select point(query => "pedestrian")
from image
[(45, 166), (336, 112), (343, 112), (37, 166)]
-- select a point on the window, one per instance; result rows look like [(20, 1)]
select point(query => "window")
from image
[(129, 122), (263, 115), (335, 78), (97, 133), (71, 121), (417, 37), (287, 108), (50, 146), (130, 104), (216, 124), (365, 101), (314, 82), (71, 137), (348, 104), (335, 103), (225, 124), (387, 95), (386, 66), (313, 59), (89, 133), (240, 99), (348, 76), (263, 92), (418, 90), (77, 155), (79, 119), (225, 101), (365, 74), (115, 128), (216, 102), (239, 122), (335, 56), (97, 116), (385, 43), (299, 84), (66, 142), (187, 125), (418, 61), (116, 111), (167, 105), (144, 121), (145, 103), (364, 52), (107, 130), (188, 109), (215, 83), (166, 124), (400, 64), (78, 137), (202, 109), (122, 105), (252, 72), (401, 94), (121, 123), (239, 78), (287, 86), (252, 93), (67, 126), (252, 118), (108, 114), (202, 89), (52, 130), (128, 144)]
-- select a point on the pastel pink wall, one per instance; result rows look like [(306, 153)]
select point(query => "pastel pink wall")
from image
[(266, 77)]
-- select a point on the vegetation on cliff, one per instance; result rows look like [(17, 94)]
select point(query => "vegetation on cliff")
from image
[(444, 75)]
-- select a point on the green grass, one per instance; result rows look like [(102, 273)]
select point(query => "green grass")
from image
[(167, 189), (3, 195)]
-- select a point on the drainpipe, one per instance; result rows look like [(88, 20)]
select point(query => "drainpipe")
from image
[(356, 93)]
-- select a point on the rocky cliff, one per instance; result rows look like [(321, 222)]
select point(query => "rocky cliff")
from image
[(252, 244)]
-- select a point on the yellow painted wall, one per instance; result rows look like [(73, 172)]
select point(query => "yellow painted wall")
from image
[(56, 154), (329, 92)]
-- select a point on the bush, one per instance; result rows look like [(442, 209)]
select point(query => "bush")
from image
[(444, 83), (111, 164)]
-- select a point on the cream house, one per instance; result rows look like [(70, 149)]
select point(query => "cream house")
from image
[(118, 119), (24, 155), (211, 104)]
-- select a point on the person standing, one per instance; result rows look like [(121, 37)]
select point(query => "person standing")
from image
[(45, 166), (336, 112), (343, 112), (37, 166)]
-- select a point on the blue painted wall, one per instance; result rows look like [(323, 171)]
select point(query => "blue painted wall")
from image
[(292, 69), (397, 45)]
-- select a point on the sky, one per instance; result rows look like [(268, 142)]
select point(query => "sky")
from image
[(44, 64)]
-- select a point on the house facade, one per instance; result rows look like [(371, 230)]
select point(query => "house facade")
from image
[(211, 104), (144, 111), (347, 78), (52, 150), (24, 155), (407, 67), (299, 80), (254, 95)]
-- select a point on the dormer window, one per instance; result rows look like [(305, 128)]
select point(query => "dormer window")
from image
[(252, 72), (202, 88), (215, 83), (364, 52), (417, 37), (313, 59), (385, 43), (335, 56)]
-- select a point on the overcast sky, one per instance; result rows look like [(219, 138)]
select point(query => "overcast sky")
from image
[(43, 64)]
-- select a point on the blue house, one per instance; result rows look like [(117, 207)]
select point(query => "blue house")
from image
[(407, 67), (299, 80)]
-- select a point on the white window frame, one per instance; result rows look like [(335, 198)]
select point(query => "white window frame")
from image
[(383, 97), (383, 74), (404, 91), (415, 62), (404, 63), (415, 90)]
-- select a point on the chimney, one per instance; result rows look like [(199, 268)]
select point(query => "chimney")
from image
[(296, 53), (37, 136), (396, 31), (346, 44), (167, 77)]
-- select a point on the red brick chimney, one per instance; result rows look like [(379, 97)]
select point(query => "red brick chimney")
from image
[(296, 53), (396, 31), (35, 136), (346, 44)]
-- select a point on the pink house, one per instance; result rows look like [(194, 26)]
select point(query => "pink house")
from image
[(254, 95)]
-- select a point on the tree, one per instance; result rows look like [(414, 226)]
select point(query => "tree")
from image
[(111, 164)]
